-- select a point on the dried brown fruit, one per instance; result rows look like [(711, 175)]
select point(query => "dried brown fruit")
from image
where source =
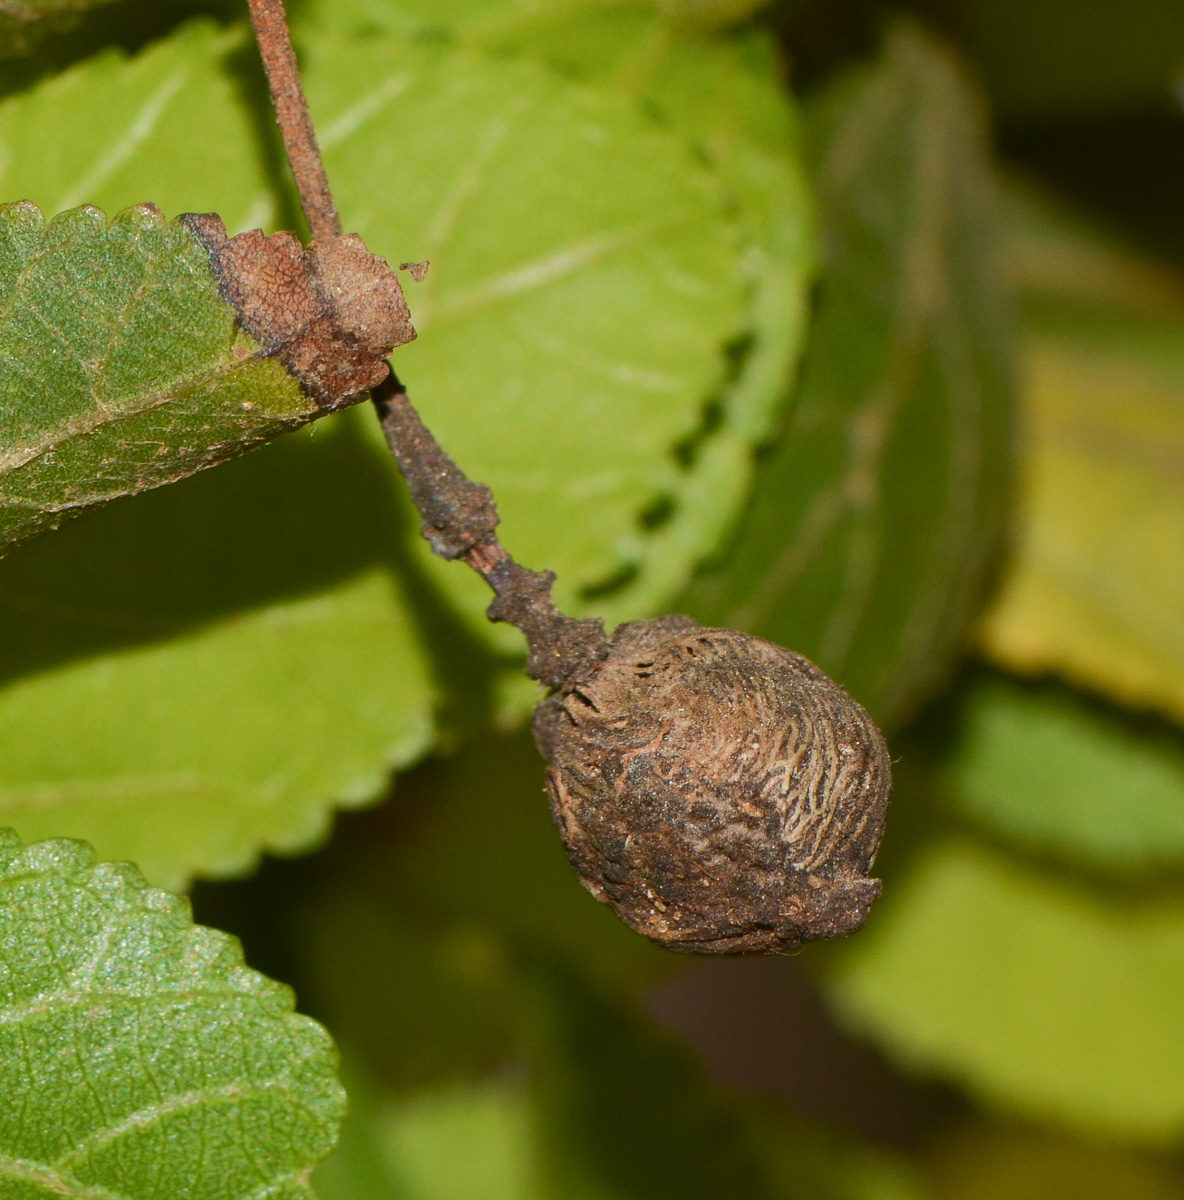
[(720, 792)]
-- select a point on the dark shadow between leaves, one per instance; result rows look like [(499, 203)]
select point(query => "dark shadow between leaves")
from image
[(288, 520), (129, 26)]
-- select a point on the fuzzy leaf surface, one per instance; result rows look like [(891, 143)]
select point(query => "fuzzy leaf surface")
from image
[(1042, 768), (1096, 586), (1035, 994), (873, 521), (139, 1057), (121, 365)]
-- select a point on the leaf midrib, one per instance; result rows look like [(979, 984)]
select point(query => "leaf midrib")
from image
[(89, 423)]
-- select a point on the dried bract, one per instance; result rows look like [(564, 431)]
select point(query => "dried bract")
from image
[(720, 792), (331, 312)]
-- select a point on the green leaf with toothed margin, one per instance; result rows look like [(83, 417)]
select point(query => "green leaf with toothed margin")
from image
[(121, 366), (725, 100), (874, 522), (205, 671), (24, 22), (114, 131), (139, 1057), (586, 278)]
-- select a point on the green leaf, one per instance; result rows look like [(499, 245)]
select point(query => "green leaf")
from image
[(121, 365), (726, 101), (1096, 586), (205, 671), (1036, 994), (138, 1056), (1043, 768), (114, 131), (24, 22), (727, 97), (874, 521)]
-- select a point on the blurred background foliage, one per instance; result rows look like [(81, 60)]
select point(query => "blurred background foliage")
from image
[(857, 325)]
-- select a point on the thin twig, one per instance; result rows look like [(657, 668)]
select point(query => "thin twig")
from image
[(459, 516), (460, 521), (300, 139)]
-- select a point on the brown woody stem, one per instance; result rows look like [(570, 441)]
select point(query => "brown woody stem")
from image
[(300, 139), (460, 521), (459, 516)]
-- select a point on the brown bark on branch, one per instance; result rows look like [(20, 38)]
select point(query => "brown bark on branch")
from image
[(459, 516), (300, 139), (460, 521)]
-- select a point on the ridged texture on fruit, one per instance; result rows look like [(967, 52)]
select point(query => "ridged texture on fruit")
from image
[(720, 792)]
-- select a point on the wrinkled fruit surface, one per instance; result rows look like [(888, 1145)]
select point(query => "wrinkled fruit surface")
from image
[(720, 792)]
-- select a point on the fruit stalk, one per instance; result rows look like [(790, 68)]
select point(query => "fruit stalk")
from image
[(459, 516), (719, 792), (459, 519)]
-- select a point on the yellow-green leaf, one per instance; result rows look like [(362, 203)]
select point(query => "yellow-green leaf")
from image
[(1035, 994), (1096, 587)]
